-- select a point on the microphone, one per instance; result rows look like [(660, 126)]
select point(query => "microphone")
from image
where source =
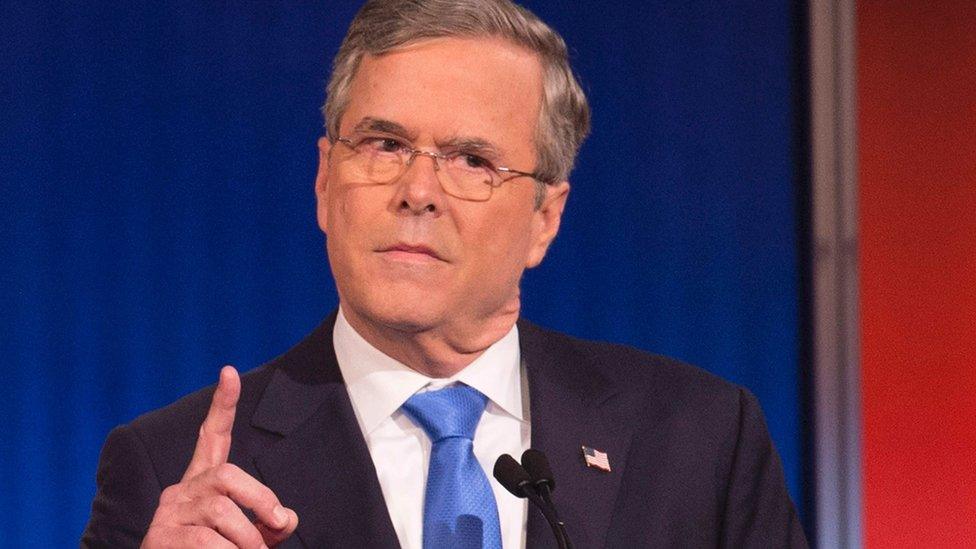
[(521, 484), (537, 466), (512, 476)]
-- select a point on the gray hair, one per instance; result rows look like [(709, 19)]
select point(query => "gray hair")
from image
[(385, 25)]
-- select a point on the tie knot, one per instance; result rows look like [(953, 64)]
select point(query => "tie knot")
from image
[(451, 412)]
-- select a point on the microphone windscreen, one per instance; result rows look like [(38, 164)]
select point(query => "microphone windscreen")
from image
[(537, 465), (511, 475)]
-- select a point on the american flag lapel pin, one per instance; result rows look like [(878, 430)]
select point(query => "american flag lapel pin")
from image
[(596, 459)]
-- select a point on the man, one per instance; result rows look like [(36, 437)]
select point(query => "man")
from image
[(452, 128)]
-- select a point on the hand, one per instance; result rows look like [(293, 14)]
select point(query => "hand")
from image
[(204, 508)]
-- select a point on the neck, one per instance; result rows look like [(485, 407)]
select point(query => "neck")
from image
[(440, 351)]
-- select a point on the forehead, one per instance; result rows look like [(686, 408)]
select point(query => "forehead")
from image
[(445, 87)]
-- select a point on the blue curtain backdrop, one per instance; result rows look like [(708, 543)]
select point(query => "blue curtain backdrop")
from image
[(157, 161)]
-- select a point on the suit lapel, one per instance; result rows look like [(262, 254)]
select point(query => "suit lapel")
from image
[(321, 467), (571, 405)]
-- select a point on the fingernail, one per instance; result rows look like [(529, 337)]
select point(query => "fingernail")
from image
[(281, 516)]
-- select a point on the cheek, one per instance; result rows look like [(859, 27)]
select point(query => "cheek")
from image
[(502, 243), (347, 236), (338, 205), (346, 209), (344, 238)]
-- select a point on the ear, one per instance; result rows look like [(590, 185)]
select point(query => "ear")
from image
[(321, 184), (546, 220)]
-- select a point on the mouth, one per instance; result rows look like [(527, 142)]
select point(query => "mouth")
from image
[(414, 253)]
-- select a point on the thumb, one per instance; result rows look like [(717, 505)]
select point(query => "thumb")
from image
[(274, 536)]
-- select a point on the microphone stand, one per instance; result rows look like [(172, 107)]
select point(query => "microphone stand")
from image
[(544, 503), (552, 517)]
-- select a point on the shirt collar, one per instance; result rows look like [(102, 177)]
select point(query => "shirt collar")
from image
[(378, 385)]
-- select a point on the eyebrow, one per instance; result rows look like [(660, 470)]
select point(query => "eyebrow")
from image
[(470, 144), (371, 124)]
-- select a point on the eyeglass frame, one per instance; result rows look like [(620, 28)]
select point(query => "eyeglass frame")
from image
[(436, 157)]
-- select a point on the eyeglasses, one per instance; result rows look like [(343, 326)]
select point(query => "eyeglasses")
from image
[(382, 159)]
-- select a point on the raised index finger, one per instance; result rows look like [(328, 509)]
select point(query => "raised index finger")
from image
[(213, 444)]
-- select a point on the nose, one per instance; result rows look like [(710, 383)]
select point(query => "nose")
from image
[(419, 190)]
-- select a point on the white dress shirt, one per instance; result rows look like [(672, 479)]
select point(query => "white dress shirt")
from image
[(378, 385)]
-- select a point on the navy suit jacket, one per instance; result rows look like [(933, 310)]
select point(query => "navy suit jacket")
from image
[(692, 462)]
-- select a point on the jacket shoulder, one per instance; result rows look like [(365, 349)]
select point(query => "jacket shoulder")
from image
[(637, 370)]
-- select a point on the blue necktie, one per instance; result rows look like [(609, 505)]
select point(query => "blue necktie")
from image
[(459, 507)]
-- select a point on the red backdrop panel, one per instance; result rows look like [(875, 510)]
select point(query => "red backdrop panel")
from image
[(917, 125)]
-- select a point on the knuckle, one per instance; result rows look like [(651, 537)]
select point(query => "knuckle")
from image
[(165, 514), (170, 496), (226, 473), (170, 493), (221, 507)]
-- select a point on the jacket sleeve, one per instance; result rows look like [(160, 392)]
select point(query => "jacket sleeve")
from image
[(127, 495), (758, 509)]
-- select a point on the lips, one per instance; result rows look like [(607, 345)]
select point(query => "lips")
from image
[(411, 251)]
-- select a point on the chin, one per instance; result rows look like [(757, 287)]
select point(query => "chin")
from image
[(407, 309), (407, 320)]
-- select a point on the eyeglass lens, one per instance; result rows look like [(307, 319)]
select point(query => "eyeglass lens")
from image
[(382, 162)]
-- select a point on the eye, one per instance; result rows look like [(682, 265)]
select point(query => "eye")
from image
[(474, 161), (381, 144)]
